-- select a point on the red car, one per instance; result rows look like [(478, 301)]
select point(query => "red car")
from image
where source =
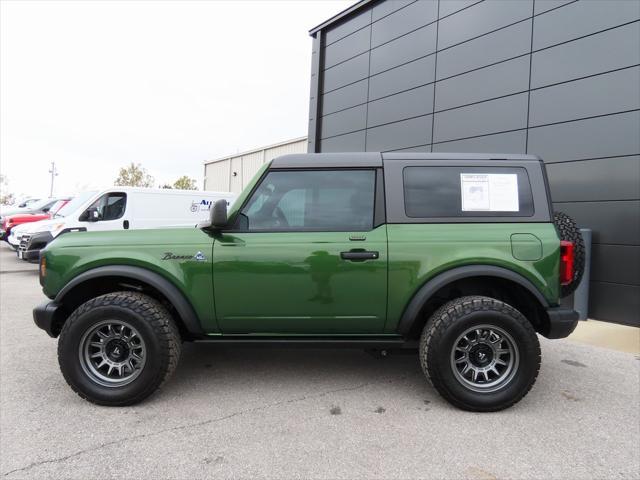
[(13, 220)]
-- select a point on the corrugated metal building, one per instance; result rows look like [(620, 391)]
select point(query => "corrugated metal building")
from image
[(232, 173), (556, 78)]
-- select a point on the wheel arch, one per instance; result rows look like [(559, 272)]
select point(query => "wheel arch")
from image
[(101, 280), (487, 280)]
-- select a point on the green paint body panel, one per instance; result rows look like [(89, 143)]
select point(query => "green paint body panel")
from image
[(74, 253), (295, 283), (526, 246), (419, 252)]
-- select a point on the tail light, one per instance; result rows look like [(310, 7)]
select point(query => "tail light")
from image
[(43, 266), (566, 262)]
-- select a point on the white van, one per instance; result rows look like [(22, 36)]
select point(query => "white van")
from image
[(117, 208)]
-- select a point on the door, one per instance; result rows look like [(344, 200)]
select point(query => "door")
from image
[(107, 213), (304, 257)]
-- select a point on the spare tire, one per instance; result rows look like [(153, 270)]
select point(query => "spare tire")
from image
[(569, 231)]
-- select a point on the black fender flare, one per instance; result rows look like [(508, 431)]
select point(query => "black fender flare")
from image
[(425, 292), (168, 289)]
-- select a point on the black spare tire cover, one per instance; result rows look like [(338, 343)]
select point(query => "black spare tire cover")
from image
[(569, 231)]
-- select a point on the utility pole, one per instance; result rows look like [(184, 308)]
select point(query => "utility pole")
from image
[(54, 174)]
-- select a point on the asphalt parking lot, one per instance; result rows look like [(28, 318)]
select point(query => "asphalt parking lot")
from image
[(295, 413)]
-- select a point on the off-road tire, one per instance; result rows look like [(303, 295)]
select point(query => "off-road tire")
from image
[(156, 328), (569, 231), (439, 337)]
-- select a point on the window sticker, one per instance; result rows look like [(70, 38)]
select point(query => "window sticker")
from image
[(489, 192)]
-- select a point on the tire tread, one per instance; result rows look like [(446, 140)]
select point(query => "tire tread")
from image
[(158, 318), (443, 319)]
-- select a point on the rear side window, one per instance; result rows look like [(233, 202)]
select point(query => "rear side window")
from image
[(432, 192), (307, 200)]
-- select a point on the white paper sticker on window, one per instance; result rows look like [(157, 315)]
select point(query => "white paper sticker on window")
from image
[(489, 192)]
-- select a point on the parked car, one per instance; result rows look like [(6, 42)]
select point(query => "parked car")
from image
[(14, 236), (28, 206), (456, 254), (11, 221), (20, 203), (119, 208)]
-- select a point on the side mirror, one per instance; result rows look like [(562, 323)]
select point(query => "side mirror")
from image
[(217, 216), (90, 215)]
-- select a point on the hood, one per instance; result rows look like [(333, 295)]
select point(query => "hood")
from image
[(36, 227), (25, 217)]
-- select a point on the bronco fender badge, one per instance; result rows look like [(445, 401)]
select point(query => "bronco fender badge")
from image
[(172, 256)]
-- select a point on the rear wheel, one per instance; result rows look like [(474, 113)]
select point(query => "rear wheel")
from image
[(118, 348), (480, 353)]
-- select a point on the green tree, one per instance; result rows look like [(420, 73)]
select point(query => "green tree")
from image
[(185, 183), (134, 176), (6, 198)]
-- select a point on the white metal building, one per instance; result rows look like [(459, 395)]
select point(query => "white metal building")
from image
[(232, 173)]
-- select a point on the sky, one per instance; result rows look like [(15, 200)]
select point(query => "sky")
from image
[(95, 85)]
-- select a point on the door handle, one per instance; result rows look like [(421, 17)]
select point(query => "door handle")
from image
[(125, 224), (359, 255)]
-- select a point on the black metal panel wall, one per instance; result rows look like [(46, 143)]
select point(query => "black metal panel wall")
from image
[(556, 78)]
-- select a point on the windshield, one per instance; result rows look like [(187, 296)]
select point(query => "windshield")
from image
[(29, 202), (74, 204), (38, 204), (58, 205)]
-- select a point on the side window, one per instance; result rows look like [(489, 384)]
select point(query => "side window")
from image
[(312, 200), (293, 205), (114, 206), (110, 206), (431, 192)]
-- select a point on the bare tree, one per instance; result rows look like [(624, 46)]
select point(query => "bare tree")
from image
[(6, 198), (134, 176)]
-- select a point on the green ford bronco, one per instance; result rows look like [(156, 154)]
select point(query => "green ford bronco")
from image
[(457, 255)]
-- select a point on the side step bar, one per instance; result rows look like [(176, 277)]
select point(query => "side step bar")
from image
[(309, 342)]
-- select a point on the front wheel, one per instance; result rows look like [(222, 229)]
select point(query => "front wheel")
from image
[(118, 348), (480, 353)]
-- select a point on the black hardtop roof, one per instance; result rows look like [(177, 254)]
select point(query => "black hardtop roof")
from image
[(354, 159), (375, 159)]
